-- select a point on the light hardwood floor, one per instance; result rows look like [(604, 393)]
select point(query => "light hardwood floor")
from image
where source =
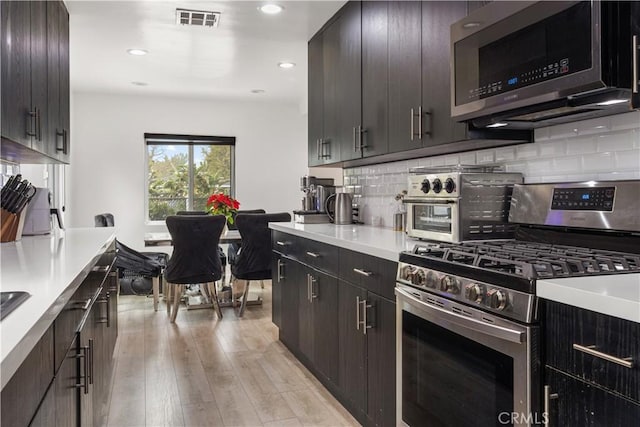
[(202, 371)]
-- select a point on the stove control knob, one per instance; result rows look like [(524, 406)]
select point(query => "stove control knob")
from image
[(473, 292), (432, 280), (406, 273), (450, 284), (437, 185), (449, 185), (497, 299), (419, 278), (426, 186)]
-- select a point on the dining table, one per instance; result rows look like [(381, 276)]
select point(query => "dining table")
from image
[(163, 238)]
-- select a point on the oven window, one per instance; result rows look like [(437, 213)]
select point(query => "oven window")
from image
[(449, 380), (435, 217)]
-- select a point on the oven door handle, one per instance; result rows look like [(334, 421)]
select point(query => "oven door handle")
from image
[(463, 321), (430, 201)]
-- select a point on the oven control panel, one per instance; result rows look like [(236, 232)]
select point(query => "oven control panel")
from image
[(507, 302), (583, 199)]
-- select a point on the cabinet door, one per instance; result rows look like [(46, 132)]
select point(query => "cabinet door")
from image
[(405, 75), (86, 377), (305, 314), (324, 297), (16, 75), (67, 394), (580, 404), (437, 125), (316, 98), (375, 78), (101, 358), (39, 73), (352, 348), (291, 276), (54, 127), (46, 415), (381, 360), (342, 49), (64, 147)]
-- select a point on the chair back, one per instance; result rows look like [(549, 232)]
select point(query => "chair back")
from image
[(254, 260), (234, 226), (104, 220), (195, 248)]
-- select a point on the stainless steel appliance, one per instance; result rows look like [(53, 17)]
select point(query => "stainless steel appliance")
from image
[(316, 191), (526, 64), (458, 203), (468, 334), (343, 213)]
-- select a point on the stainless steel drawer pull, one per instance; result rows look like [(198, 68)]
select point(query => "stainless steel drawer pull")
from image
[(279, 243), (358, 313), (362, 272), (591, 350), (548, 396), (280, 275), (101, 268), (85, 357), (313, 254), (86, 305)]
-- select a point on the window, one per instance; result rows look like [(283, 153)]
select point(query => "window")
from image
[(183, 171)]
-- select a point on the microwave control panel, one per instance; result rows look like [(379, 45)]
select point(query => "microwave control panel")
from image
[(583, 199)]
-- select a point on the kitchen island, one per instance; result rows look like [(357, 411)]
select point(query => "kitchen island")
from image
[(50, 268)]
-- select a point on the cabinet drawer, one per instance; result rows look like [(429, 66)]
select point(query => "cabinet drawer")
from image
[(283, 243), (572, 336), (318, 255), (374, 274)]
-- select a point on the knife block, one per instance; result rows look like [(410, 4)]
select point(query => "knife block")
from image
[(11, 225)]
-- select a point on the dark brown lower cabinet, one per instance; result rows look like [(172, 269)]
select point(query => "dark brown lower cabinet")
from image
[(578, 403), (344, 332), (46, 415), (67, 389)]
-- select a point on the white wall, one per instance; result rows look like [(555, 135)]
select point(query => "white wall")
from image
[(107, 172)]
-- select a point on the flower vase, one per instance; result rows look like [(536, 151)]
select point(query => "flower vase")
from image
[(225, 230)]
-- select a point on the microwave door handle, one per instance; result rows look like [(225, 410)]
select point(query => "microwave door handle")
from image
[(469, 323)]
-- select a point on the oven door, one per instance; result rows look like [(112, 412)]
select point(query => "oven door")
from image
[(433, 220), (455, 368)]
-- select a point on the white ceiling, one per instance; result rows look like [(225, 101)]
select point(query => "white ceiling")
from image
[(227, 62)]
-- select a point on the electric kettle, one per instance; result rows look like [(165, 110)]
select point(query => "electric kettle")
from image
[(343, 212)]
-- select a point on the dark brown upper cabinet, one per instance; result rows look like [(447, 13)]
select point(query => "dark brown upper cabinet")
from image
[(35, 82)]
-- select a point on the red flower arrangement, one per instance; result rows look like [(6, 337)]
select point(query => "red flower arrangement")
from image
[(221, 204)]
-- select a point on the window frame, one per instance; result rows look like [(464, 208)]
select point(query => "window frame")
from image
[(190, 141)]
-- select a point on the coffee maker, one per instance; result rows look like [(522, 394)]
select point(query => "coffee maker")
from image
[(316, 191)]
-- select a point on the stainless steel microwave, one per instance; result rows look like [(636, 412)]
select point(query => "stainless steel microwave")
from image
[(526, 64)]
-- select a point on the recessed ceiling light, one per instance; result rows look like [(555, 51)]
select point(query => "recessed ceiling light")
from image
[(257, 91), (497, 125), (271, 9), (286, 64), (139, 83), (137, 52)]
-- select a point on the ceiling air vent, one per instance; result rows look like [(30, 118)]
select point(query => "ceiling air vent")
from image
[(199, 18)]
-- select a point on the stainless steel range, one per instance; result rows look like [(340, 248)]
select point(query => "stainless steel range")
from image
[(467, 314)]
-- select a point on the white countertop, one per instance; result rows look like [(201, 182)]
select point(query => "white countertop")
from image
[(375, 241), (617, 295), (50, 268)]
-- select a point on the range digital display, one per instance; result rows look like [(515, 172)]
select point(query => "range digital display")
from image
[(583, 199)]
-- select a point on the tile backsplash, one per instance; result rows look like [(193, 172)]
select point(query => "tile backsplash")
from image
[(606, 148)]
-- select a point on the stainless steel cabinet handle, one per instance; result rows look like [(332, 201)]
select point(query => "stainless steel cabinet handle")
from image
[(90, 360), (279, 243), (362, 272), (280, 265), (313, 281), (84, 355), (412, 130), (86, 305), (60, 134), (427, 114), (636, 47), (318, 148), (358, 313), (308, 287), (108, 310), (591, 350), (32, 123), (65, 140), (104, 301), (101, 268), (420, 122), (313, 254), (361, 131), (355, 140), (364, 316), (547, 404)]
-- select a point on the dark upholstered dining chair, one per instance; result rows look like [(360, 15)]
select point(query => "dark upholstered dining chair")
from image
[(195, 257), (234, 248), (254, 259)]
